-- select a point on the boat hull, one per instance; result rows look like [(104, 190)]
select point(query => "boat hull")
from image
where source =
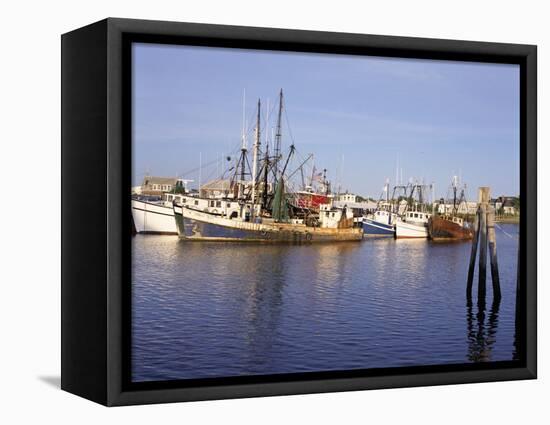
[(199, 225), (411, 230), (153, 218), (375, 229), (442, 229)]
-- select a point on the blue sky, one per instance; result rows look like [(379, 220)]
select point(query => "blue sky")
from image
[(358, 115)]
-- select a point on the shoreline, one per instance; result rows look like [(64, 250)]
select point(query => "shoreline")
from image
[(512, 220)]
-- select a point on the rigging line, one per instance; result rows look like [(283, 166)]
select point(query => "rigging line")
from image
[(185, 173), (505, 232), (288, 125), (208, 164)]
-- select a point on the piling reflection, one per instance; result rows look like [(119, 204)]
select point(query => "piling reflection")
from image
[(481, 330)]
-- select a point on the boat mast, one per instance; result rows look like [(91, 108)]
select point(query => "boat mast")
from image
[(243, 149), (265, 177), (200, 171), (278, 133), (433, 198), (454, 193), (255, 157)]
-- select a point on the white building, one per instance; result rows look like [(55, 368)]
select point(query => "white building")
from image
[(346, 197), (462, 208)]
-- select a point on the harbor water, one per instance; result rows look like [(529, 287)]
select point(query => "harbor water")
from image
[(205, 309)]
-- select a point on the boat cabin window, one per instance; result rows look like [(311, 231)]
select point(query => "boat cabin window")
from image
[(228, 205), (218, 203), (196, 202), (415, 215)]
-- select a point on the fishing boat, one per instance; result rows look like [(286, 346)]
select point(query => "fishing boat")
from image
[(414, 222), (381, 223), (413, 225), (448, 227), (154, 215), (452, 225), (313, 194), (334, 225), (261, 209)]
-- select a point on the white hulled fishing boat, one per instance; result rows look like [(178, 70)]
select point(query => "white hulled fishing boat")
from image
[(413, 225), (153, 213), (415, 219)]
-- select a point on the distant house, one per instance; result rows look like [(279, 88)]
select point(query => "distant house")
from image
[(509, 207), (446, 207), (506, 205), (346, 197), (215, 188), (357, 204), (158, 185)]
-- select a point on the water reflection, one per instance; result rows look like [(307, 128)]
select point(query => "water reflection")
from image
[(481, 331), (203, 309)]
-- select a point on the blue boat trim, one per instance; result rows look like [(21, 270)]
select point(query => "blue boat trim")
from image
[(372, 228)]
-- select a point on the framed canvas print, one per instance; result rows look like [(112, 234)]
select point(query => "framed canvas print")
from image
[(253, 212)]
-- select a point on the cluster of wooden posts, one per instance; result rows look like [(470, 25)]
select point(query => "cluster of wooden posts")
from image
[(484, 234)]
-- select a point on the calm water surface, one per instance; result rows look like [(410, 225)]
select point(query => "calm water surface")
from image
[(220, 309)]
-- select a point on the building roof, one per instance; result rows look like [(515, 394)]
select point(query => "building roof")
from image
[(159, 180), (368, 205), (217, 184), (508, 202)]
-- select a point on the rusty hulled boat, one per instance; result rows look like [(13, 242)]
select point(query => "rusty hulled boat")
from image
[(452, 221), (447, 227)]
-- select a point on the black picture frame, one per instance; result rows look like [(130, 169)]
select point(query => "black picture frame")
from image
[(96, 88)]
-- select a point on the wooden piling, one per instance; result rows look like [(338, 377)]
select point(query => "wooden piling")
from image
[(484, 234), (484, 196), (482, 252), (493, 252), (473, 255)]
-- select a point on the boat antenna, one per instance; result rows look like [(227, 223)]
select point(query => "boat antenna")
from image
[(243, 135), (200, 170), (313, 170), (397, 170)]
